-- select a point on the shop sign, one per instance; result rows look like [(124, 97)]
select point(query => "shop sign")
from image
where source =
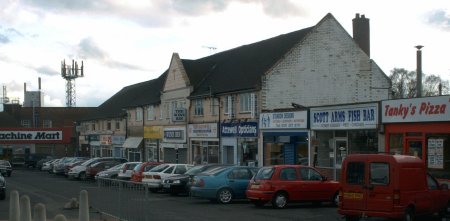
[(242, 129), (416, 110), (105, 139), (175, 134), (31, 135), (202, 130), (179, 115), (153, 132), (283, 120), (94, 137), (364, 116)]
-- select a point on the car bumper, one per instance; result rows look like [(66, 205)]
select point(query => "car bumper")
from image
[(153, 185), (394, 214), (73, 175)]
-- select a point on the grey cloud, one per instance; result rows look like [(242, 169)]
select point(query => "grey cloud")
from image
[(4, 39), (69, 5), (47, 71), (440, 19), (7, 34)]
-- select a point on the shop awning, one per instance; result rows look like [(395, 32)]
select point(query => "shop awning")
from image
[(132, 142)]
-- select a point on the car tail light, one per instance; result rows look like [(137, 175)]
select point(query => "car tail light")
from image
[(396, 197), (199, 183), (156, 177)]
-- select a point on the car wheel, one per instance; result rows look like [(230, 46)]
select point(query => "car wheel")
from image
[(409, 214), (259, 203), (280, 200), (335, 200), (224, 195)]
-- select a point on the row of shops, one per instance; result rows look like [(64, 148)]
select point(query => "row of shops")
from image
[(318, 136)]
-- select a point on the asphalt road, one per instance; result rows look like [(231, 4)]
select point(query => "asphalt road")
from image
[(130, 204)]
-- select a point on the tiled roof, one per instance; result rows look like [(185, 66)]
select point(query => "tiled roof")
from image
[(240, 68), (143, 93)]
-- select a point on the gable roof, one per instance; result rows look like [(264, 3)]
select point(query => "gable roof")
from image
[(143, 93), (240, 68)]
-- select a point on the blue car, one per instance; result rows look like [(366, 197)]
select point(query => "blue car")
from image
[(223, 184)]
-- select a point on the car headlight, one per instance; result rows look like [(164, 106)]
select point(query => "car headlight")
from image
[(177, 181)]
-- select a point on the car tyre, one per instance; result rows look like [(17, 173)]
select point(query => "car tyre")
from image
[(280, 200), (224, 196), (409, 214), (335, 199)]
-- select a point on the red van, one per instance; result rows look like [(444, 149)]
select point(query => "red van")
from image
[(389, 186)]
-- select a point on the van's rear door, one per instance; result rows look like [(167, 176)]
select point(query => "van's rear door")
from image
[(353, 185), (379, 187)]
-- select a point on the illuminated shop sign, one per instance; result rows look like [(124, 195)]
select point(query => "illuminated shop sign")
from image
[(364, 116), (416, 110), (242, 129)]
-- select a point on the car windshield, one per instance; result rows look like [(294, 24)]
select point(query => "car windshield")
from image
[(199, 169), (214, 171), (138, 167), (88, 162), (116, 167), (265, 173), (159, 168)]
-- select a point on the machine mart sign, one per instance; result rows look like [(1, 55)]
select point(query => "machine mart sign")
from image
[(362, 116), (416, 110), (35, 136)]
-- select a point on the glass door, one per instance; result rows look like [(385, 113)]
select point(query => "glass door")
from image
[(340, 152)]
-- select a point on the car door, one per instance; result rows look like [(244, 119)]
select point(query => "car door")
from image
[(288, 181), (379, 187), (437, 196), (238, 179), (312, 187)]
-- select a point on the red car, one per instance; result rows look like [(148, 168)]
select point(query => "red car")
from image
[(280, 184), (136, 175), (95, 168)]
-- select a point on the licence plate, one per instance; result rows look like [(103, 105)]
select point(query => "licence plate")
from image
[(354, 196), (254, 186), (166, 185)]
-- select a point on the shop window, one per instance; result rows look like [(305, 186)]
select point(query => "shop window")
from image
[(286, 150), (248, 149), (325, 152), (396, 143), (340, 133), (363, 141)]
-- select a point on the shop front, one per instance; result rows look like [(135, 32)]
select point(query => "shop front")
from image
[(133, 148), (117, 143), (106, 145), (285, 137), (239, 143), (204, 143), (174, 147), (420, 127), (94, 145), (153, 136), (337, 131)]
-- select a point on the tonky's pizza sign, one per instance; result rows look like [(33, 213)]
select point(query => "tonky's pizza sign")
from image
[(416, 110)]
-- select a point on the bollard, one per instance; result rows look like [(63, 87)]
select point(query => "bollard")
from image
[(14, 209), (25, 209), (39, 213), (83, 211), (60, 217)]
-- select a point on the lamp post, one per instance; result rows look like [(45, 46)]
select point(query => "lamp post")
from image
[(419, 71)]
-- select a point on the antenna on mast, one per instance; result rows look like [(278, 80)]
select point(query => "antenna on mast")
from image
[(70, 73)]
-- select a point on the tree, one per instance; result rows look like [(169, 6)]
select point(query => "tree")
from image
[(404, 84)]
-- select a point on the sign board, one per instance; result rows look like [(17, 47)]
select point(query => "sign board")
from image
[(202, 130), (360, 116), (35, 135), (153, 132), (424, 109), (105, 139), (239, 129), (179, 115), (175, 135), (284, 120), (436, 153)]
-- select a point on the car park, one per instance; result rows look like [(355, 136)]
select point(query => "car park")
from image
[(40, 163), (138, 170), (5, 168), (79, 172), (2, 187), (52, 164), (182, 183), (223, 184), (282, 184), (73, 164), (47, 166), (126, 170), (153, 178), (390, 186)]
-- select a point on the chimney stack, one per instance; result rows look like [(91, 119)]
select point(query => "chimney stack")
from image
[(361, 32)]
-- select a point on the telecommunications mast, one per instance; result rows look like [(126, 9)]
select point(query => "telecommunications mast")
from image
[(70, 73)]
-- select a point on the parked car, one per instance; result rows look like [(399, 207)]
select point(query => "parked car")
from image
[(79, 172), (73, 164), (181, 183), (52, 164), (126, 170), (41, 162), (153, 178), (18, 161), (223, 184), (389, 186), (5, 168), (2, 187), (138, 170), (48, 166), (95, 168), (58, 168), (110, 173), (282, 184)]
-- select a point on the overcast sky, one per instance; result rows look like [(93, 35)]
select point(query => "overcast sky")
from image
[(126, 42)]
